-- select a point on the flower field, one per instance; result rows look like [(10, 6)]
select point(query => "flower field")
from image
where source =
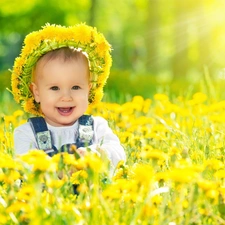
[(174, 173)]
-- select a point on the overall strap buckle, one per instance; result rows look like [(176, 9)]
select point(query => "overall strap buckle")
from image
[(42, 134), (85, 131)]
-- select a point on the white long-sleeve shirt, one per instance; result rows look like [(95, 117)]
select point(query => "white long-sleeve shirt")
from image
[(104, 138)]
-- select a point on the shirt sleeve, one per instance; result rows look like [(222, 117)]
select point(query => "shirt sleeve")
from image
[(106, 140), (24, 139)]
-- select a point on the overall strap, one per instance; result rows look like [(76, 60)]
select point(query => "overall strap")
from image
[(85, 131), (42, 134)]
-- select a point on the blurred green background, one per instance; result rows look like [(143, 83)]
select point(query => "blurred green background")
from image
[(158, 45)]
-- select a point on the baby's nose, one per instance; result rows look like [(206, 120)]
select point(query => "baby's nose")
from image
[(66, 96)]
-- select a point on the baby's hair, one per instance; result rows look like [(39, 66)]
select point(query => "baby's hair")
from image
[(66, 54)]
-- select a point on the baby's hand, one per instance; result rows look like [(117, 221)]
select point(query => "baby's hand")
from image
[(103, 154), (81, 151)]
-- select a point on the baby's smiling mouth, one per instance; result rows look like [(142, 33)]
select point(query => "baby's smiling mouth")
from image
[(65, 110)]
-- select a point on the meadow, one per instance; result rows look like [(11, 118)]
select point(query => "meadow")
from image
[(174, 173)]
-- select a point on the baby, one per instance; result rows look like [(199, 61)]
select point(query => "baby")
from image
[(61, 70)]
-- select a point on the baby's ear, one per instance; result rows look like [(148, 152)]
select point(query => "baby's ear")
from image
[(34, 90), (89, 86)]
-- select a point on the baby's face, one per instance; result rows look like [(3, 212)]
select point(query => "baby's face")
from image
[(62, 88)]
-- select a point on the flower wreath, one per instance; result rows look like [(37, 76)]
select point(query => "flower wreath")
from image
[(52, 37)]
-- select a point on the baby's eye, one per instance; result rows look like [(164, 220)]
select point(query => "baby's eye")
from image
[(54, 88), (75, 87)]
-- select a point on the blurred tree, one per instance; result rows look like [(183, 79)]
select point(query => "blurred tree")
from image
[(152, 33), (180, 58), (18, 19), (205, 38), (93, 12), (147, 36)]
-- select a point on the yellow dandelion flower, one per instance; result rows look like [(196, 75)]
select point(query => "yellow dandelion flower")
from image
[(200, 97), (213, 194), (157, 199), (161, 97), (82, 188), (185, 204), (94, 162), (9, 120), (82, 33), (197, 98), (33, 40), (68, 159), (78, 176), (220, 174), (162, 176), (19, 62), (6, 161), (138, 99), (30, 106), (54, 183), (47, 198), (174, 151), (9, 178), (39, 160), (207, 185), (97, 96), (81, 164), (150, 211), (101, 45), (214, 164), (154, 154), (25, 192), (119, 173), (107, 63), (143, 174), (146, 106), (49, 31), (183, 175), (18, 113), (15, 89), (3, 219), (18, 206)]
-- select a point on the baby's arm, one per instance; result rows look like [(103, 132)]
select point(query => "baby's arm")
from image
[(107, 141), (24, 139)]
